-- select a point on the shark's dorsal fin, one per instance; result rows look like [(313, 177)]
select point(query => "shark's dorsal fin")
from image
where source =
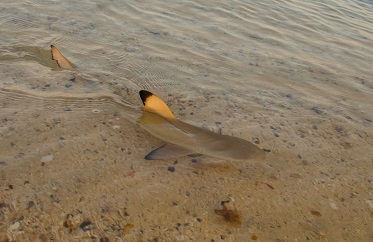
[(62, 62), (154, 104)]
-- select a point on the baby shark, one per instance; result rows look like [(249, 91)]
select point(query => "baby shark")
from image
[(181, 138), (184, 139)]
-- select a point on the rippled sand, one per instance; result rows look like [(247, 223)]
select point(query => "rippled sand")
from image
[(294, 78)]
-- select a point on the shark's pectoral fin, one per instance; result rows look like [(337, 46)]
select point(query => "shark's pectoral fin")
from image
[(168, 151)]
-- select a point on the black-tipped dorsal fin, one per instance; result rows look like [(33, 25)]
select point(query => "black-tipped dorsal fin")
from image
[(62, 62), (154, 104)]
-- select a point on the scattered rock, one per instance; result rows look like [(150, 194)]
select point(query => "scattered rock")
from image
[(171, 168), (85, 225), (47, 158), (255, 140), (316, 213), (317, 110), (14, 226), (338, 129), (229, 215), (30, 204), (270, 186), (194, 160), (333, 206)]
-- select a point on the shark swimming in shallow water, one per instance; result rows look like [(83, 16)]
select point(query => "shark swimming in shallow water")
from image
[(181, 138), (184, 139)]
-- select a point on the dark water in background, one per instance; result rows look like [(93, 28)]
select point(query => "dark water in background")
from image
[(296, 74)]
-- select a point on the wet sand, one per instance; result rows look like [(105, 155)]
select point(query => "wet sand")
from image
[(75, 171)]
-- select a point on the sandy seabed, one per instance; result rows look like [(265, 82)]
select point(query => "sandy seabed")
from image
[(73, 170)]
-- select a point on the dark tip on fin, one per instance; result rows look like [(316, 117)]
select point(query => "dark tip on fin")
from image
[(144, 95), (150, 155)]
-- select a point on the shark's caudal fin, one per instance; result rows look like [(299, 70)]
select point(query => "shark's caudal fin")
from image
[(154, 104), (62, 62), (167, 151)]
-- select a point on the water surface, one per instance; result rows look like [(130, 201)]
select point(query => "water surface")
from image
[(295, 77)]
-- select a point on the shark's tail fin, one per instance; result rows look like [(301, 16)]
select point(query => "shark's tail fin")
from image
[(154, 104), (62, 62)]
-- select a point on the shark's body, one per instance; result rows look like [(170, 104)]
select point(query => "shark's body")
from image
[(183, 138)]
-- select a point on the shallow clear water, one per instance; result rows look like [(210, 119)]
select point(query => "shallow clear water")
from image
[(293, 76)]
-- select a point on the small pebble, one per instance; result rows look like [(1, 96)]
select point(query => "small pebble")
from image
[(317, 110), (30, 204), (333, 206), (316, 213), (171, 168), (47, 158), (85, 225), (256, 140), (14, 226)]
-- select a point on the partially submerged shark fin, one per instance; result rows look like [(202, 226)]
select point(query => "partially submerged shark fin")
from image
[(183, 138), (154, 104), (168, 151), (62, 62)]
